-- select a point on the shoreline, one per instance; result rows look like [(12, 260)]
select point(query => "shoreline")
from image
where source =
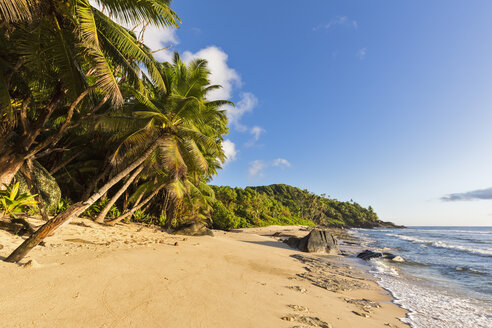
[(430, 277), (132, 275)]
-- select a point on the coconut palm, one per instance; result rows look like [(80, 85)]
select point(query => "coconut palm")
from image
[(189, 130), (179, 131), (61, 56)]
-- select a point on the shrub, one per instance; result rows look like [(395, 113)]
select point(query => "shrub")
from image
[(12, 202), (224, 219)]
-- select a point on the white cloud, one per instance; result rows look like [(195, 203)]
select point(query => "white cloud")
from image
[(340, 20), (221, 74), (281, 162), (229, 150), (256, 168), (257, 131), (361, 53), (158, 38), (245, 105), (220, 71)]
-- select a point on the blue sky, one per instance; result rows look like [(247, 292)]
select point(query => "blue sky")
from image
[(387, 103)]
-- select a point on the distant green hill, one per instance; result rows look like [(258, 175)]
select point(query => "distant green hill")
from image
[(286, 205)]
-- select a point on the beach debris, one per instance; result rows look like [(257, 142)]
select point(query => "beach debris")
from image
[(298, 308), (1, 246), (316, 241), (193, 229), (310, 321), (297, 289), (176, 244)]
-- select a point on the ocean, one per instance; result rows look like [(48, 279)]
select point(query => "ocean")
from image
[(446, 279)]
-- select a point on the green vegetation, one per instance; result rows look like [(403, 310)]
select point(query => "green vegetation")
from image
[(285, 205), (92, 124), (13, 202)]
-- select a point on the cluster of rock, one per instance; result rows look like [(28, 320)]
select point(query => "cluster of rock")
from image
[(193, 229), (316, 241), (368, 254)]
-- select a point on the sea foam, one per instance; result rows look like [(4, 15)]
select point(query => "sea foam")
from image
[(430, 307), (441, 244)]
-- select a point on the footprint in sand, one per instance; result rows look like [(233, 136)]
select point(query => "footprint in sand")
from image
[(307, 320), (297, 289), (298, 308)]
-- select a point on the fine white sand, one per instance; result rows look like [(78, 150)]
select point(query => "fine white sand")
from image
[(130, 275)]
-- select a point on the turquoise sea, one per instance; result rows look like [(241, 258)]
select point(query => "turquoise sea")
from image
[(446, 279)]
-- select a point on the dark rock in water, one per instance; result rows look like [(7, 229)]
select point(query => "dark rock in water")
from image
[(316, 241), (193, 229), (368, 254)]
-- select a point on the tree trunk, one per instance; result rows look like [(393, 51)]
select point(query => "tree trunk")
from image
[(136, 208), (74, 210), (12, 158), (10, 164), (102, 215), (65, 162), (93, 184), (170, 214), (125, 202)]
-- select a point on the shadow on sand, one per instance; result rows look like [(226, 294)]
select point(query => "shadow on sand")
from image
[(272, 243)]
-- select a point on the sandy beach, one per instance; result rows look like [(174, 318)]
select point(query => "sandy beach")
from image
[(131, 275)]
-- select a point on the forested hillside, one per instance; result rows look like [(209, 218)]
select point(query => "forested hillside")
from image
[(284, 204)]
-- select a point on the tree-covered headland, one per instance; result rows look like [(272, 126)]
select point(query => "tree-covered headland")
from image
[(284, 205)]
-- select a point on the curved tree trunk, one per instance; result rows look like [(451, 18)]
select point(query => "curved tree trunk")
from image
[(136, 208), (10, 164), (74, 210), (100, 218)]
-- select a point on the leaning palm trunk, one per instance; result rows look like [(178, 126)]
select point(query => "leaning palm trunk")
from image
[(136, 208), (74, 210), (100, 218)]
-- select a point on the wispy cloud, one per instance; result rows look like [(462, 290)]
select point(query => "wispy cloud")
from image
[(229, 150), (256, 132), (256, 168), (246, 104), (281, 162), (470, 195), (340, 20), (361, 53)]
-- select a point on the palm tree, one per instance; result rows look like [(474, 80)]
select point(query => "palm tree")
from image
[(189, 128), (61, 56), (180, 131)]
